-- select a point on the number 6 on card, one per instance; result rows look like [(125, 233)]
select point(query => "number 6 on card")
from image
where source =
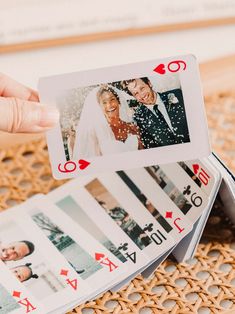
[(127, 116)]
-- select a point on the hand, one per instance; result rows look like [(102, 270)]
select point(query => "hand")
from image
[(20, 110)]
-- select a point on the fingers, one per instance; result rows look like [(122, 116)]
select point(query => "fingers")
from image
[(17, 115), (10, 88), (20, 110)]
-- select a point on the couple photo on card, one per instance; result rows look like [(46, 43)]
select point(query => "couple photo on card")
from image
[(123, 116)]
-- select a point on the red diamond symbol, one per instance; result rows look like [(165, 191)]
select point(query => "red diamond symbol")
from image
[(64, 272), (16, 294), (168, 214)]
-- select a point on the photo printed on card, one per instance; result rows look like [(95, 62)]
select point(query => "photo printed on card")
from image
[(126, 116), (76, 202)]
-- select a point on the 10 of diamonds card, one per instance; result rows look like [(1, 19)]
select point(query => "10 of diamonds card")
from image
[(126, 116)]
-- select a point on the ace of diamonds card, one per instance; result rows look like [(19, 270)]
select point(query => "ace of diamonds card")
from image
[(127, 116)]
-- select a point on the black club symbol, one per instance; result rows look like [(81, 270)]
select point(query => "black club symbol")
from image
[(148, 227), (123, 247), (187, 190)]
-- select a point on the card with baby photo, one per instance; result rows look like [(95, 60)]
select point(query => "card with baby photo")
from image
[(14, 297), (126, 116), (91, 261), (127, 212), (157, 203), (25, 253), (77, 202)]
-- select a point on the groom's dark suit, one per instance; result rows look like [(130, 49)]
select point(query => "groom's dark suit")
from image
[(154, 130)]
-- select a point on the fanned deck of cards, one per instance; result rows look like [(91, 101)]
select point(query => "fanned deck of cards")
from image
[(135, 137)]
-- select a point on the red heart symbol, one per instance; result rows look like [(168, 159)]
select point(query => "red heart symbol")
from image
[(83, 164), (160, 69), (98, 256), (195, 168)]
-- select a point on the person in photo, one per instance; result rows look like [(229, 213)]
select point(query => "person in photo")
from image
[(24, 272), (110, 105), (112, 130), (161, 117), (15, 251)]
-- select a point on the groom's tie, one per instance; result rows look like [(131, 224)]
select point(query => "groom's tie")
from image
[(160, 116)]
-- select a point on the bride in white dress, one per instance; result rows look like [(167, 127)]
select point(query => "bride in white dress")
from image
[(105, 125)]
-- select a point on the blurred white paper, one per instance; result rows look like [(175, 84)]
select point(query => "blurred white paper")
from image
[(41, 20)]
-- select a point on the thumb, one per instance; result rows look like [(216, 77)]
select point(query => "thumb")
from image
[(17, 115)]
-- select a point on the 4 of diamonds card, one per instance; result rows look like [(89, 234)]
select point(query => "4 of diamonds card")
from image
[(126, 116)]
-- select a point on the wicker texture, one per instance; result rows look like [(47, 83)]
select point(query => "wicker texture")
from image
[(206, 282)]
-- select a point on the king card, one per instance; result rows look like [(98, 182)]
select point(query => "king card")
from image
[(76, 202), (15, 298), (91, 261), (126, 116)]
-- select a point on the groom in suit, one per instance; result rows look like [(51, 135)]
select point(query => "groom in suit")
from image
[(160, 117)]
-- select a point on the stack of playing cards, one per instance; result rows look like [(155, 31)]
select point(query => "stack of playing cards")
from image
[(130, 135)]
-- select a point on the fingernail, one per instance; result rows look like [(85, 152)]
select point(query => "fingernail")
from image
[(49, 116)]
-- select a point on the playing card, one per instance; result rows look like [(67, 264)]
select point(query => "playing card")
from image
[(77, 203), (162, 209), (126, 116), (144, 200), (91, 261), (194, 199), (25, 252), (15, 298), (203, 173), (126, 211), (206, 177), (227, 188), (185, 250)]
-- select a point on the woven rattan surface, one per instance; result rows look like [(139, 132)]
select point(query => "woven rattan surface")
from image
[(204, 285)]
